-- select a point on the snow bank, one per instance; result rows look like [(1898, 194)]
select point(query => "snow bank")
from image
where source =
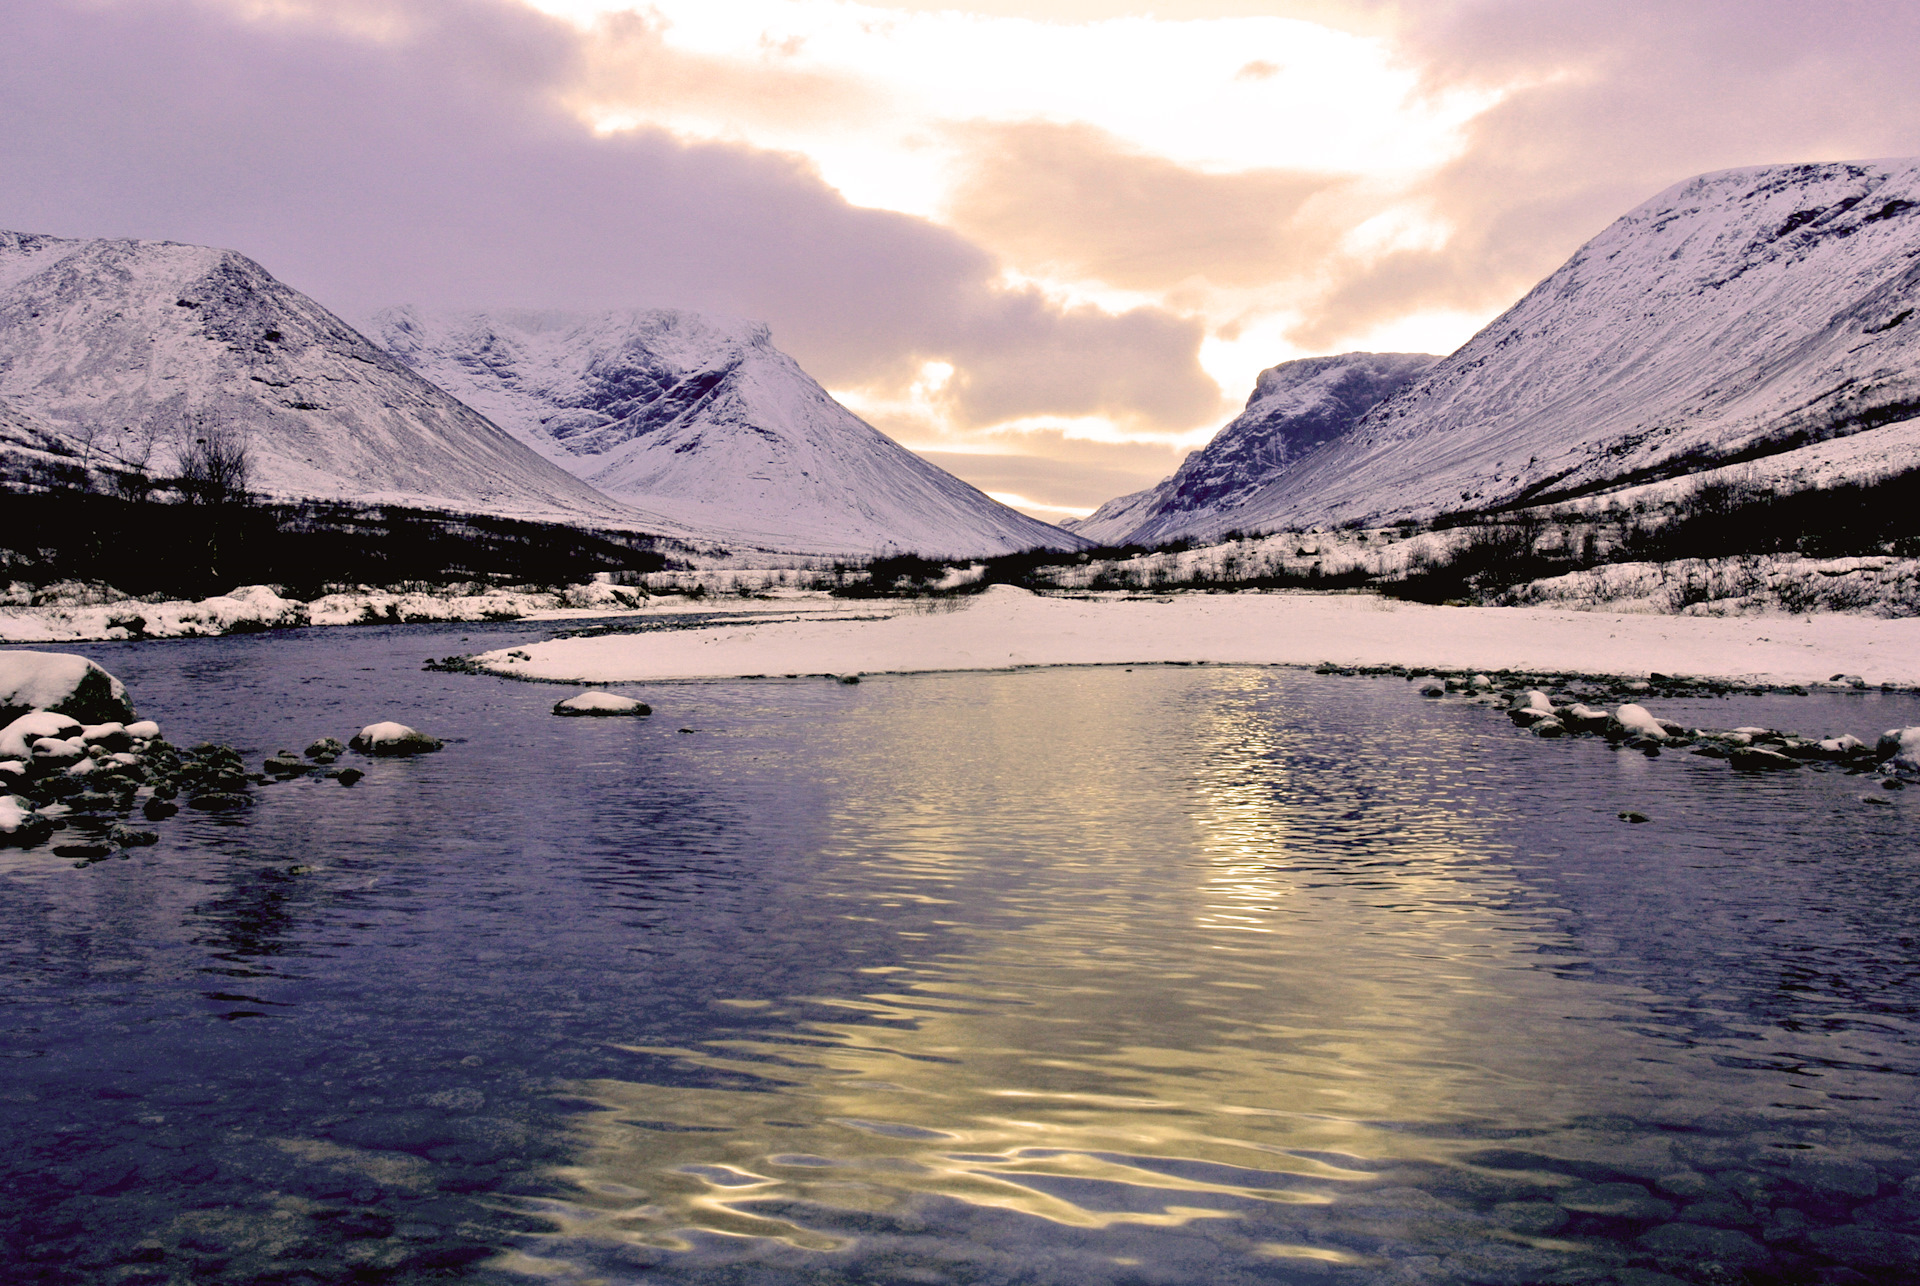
[(1006, 628), (61, 682)]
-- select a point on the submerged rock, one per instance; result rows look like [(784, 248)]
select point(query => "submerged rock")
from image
[(596, 703), (393, 739)]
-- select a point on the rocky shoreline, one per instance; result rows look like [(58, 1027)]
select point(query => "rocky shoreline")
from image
[(1553, 706)]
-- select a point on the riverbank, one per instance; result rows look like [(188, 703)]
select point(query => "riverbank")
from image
[(1006, 628)]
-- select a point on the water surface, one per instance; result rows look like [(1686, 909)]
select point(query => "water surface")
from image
[(1172, 974)]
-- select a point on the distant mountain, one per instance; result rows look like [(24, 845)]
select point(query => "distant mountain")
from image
[(702, 419), (1733, 317), (115, 345), (1295, 407)]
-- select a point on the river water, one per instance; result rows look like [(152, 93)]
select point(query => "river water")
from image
[(1162, 975)]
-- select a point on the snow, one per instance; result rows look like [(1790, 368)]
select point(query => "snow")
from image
[(14, 812), (18, 737), (58, 680), (97, 336), (703, 423), (601, 703), (392, 738), (1899, 751), (1295, 407), (1006, 628), (1751, 310), (1638, 721)]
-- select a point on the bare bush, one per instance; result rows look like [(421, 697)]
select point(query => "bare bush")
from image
[(214, 467)]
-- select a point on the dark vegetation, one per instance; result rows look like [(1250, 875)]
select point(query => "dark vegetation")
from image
[(192, 550), (1715, 520), (200, 530)]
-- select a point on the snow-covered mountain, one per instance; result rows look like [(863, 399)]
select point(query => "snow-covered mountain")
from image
[(702, 419), (112, 344), (1735, 316), (1295, 407)]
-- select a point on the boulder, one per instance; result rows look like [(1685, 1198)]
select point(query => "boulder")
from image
[(61, 683), (1549, 727), (18, 736), (1432, 687), (1530, 707), (594, 704), (1898, 752), (144, 730), (393, 739), (1636, 721), (1584, 717)]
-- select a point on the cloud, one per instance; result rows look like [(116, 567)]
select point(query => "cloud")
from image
[(1074, 200), (1608, 102), (424, 151)]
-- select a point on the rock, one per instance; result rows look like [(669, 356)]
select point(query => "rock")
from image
[(1480, 683), (1723, 1213), (129, 837), (846, 678), (61, 683), (110, 737), (53, 752), (1432, 687), (1831, 1176), (1636, 721), (144, 730), (393, 739), (1898, 752), (218, 801), (158, 810), (1689, 1185), (1865, 1248), (1696, 1244), (1530, 1218), (1635, 818), (347, 776), (1549, 727), (1615, 1201), (1843, 747), (85, 852), (286, 765), (1760, 759), (19, 734), (600, 704), (326, 750)]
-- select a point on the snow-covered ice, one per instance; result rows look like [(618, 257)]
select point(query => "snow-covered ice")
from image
[(1007, 628)]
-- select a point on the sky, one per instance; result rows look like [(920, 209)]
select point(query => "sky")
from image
[(1048, 244)]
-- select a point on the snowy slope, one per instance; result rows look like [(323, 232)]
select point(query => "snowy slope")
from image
[(1295, 407), (704, 420), (113, 341), (1738, 313)]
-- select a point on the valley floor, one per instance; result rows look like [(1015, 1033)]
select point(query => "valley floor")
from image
[(1006, 628)]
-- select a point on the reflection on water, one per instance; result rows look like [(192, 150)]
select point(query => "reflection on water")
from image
[(1171, 975)]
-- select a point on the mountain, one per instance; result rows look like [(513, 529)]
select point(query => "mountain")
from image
[(704, 420), (1295, 407), (1735, 316), (125, 349)]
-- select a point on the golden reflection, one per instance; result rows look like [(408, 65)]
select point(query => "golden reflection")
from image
[(1189, 966)]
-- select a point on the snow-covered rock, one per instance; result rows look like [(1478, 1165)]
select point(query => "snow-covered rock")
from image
[(60, 682), (18, 737), (102, 341), (1294, 408), (392, 738), (601, 703), (1899, 752), (1744, 312), (702, 421), (1638, 721)]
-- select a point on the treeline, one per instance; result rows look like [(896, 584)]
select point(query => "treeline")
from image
[(147, 546), (1718, 519)]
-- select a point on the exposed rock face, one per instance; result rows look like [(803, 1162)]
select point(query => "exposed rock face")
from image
[(701, 419), (1732, 317), (1295, 408), (131, 349)]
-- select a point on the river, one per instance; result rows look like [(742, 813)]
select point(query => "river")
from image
[(1154, 975)]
